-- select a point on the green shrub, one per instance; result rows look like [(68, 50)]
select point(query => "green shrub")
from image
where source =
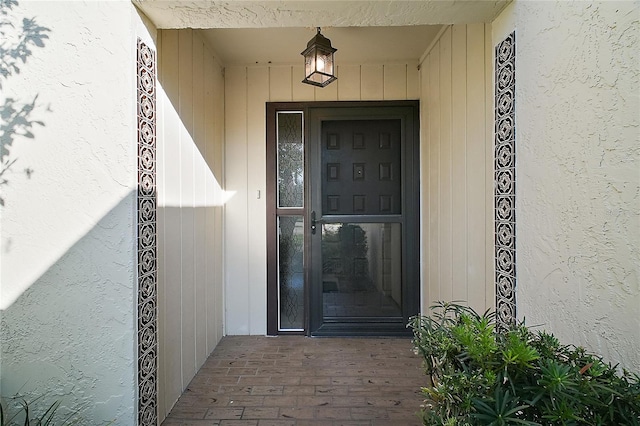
[(482, 377)]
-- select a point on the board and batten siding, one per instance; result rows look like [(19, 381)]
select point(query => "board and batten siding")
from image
[(190, 219), (456, 168), (247, 89)]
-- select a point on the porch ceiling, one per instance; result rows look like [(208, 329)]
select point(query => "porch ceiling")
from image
[(246, 32)]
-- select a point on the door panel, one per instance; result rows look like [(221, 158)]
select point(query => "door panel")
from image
[(368, 153), (361, 167), (361, 199)]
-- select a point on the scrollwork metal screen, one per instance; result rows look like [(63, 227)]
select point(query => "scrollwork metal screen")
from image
[(147, 255), (505, 182)]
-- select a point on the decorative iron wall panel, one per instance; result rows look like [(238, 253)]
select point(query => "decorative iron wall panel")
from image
[(147, 255), (505, 182)]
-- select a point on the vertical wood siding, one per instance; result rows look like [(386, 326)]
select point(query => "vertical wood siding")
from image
[(454, 84), (190, 178), (456, 159), (247, 90)]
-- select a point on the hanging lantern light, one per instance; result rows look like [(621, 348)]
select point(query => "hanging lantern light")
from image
[(318, 61)]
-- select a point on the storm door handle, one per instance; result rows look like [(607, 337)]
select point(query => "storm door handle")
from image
[(314, 222)]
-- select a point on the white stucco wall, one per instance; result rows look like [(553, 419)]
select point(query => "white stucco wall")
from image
[(578, 171), (68, 284)]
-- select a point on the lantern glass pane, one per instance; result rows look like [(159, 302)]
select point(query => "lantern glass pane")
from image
[(326, 61), (309, 64)]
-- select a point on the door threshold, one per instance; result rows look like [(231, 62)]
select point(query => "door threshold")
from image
[(362, 330)]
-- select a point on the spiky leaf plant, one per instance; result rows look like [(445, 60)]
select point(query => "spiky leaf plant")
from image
[(18, 411), (481, 377)]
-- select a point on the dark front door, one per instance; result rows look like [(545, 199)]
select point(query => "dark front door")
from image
[(343, 218), (363, 221)]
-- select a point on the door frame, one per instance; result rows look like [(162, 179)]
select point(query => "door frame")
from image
[(408, 112)]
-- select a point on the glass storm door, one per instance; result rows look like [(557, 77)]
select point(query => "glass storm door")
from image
[(342, 204), (360, 227)]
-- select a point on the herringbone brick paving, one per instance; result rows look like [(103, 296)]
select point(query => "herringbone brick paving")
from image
[(296, 380)]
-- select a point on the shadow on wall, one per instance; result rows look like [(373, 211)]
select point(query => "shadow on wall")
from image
[(62, 342), (16, 115)]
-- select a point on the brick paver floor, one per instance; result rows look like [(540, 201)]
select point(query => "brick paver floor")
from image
[(295, 380)]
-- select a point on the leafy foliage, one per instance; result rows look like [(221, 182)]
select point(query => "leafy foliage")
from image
[(18, 411), (519, 377)]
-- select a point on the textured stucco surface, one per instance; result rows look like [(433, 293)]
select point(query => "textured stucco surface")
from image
[(68, 235), (264, 14), (578, 171)]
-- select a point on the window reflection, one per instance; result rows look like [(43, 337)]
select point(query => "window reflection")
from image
[(361, 269)]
